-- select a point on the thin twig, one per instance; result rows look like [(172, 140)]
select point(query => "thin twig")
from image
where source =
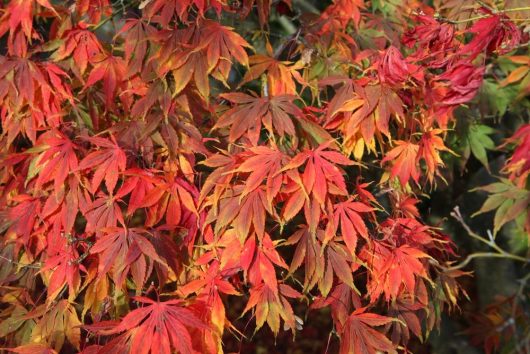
[(500, 253), (32, 266), (472, 256), (471, 19)]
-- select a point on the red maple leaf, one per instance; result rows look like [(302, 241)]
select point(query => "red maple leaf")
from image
[(271, 305), (80, 44), (404, 161), (123, 251), (348, 215), (103, 212), (247, 116), (282, 76), (495, 32), (110, 70), (108, 162), (321, 175), (136, 33), (158, 327), (358, 336), (57, 160), (393, 269)]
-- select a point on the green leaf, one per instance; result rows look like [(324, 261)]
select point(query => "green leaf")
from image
[(517, 236), (501, 215), (493, 202), (494, 99), (479, 141)]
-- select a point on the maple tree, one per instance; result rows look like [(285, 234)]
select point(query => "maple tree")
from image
[(161, 160)]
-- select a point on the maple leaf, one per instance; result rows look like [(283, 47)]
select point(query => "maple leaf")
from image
[(362, 113), (262, 163), (430, 146), (136, 34), (520, 74), (18, 20), (320, 180), (266, 256), (296, 199), (56, 161), (281, 75), (111, 71), (123, 251), (342, 300), (321, 175), (405, 205), (358, 336), (196, 54), (509, 202), (210, 283), (346, 99), (410, 313), (103, 212), (393, 269), (214, 280), (157, 327), (263, 7), (94, 9), (518, 165), (152, 95), (22, 217), (56, 324), (18, 13), (478, 141), (495, 32), (434, 40), (448, 287), (60, 210), (81, 44), (318, 268), (343, 11), (407, 231), (191, 65), (221, 44), (458, 84), (383, 102), (163, 11), (108, 162), (226, 249), (39, 86), (177, 135), (486, 327), (173, 198), (308, 253), (348, 215), (271, 305), (404, 158), (392, 68), (138, 183), (65, 270), (257, 261), (249, 113), (218, 181)]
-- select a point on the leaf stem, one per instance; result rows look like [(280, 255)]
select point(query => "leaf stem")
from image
[(500, 253)]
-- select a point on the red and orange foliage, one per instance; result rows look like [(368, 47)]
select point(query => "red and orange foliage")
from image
[(151, 173)]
